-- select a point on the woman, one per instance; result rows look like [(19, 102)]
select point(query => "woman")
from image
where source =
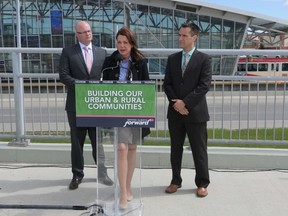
[(127, 63)]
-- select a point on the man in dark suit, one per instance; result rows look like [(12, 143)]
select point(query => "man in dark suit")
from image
[(187, 80), (83, 61)]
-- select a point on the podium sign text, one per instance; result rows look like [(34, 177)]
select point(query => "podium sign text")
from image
[(115, 103)]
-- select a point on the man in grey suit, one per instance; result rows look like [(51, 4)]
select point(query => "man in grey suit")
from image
[(83, 61), (187, 80)]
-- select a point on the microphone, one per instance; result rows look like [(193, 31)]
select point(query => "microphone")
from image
[(118, 58)]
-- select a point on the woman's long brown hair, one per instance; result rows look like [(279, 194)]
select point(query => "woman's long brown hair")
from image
[(135, 53)]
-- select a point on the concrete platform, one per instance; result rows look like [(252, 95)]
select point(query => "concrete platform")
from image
[(232, 192), (248, 182), (152, 156)]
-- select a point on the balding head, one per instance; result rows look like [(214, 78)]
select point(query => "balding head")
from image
[(83, 32)]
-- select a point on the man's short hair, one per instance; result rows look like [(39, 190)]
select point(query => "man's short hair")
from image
[(193, 27)]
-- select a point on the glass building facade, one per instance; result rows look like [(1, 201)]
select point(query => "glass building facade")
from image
[(50, 24)]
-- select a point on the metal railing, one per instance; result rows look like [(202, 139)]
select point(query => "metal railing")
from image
[(242, 109)]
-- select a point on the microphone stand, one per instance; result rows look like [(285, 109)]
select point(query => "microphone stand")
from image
[(118, 58), (131, 72), (109, 68)]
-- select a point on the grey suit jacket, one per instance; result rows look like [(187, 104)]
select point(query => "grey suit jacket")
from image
[(72, 67), (191, 88)]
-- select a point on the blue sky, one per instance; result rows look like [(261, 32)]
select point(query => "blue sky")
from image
[(272, 8)]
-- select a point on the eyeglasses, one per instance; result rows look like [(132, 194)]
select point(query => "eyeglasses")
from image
[(84, 32)]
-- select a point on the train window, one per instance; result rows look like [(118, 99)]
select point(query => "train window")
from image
[(252, 67), (241, 67), (285, 67), (275, 67), (263, 67)]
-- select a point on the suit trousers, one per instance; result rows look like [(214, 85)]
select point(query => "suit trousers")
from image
[(197, 135), (78, 136)]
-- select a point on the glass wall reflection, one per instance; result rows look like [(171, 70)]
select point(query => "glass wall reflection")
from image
[(50, 23)]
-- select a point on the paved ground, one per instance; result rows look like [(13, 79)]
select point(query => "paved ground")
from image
[(231, 193)]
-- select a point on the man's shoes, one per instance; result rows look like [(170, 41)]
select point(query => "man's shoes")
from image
[(202, 192), (104, 179), (74, 183), (172, 188)]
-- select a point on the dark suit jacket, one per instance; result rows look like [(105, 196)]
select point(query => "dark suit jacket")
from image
[(138, 71), (73, 67), (191, 88)]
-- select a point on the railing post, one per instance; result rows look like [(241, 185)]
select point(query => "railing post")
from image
[(18, 101), (18, 87)]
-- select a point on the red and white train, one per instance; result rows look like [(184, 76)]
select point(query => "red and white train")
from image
[(255, 66)]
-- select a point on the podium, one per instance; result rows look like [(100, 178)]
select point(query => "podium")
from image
[(108, 106)]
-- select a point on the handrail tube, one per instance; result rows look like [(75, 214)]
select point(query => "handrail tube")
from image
[(156, 51)]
